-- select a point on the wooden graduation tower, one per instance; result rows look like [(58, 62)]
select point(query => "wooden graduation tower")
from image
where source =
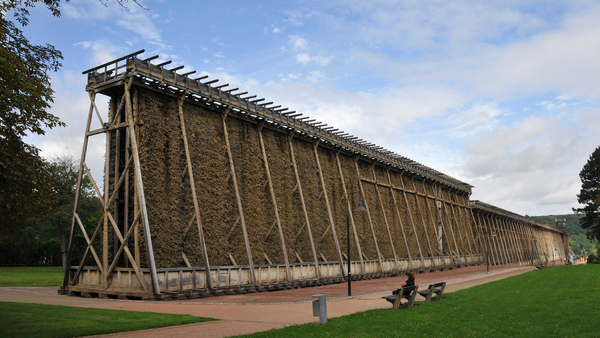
[(211, 191)]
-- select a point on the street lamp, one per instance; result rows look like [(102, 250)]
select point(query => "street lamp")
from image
[(493, 234), (359, 207)]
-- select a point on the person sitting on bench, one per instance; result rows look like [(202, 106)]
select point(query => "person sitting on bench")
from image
[(409, 282)]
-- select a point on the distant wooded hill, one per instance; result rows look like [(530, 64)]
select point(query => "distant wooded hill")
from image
[(577, 240)]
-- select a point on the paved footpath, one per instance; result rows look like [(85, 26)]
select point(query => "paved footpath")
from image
[(249, 313)]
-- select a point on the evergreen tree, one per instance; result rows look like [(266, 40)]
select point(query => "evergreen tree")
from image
[(589, 196)]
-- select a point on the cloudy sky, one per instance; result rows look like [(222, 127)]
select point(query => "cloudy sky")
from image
[(502, 95)]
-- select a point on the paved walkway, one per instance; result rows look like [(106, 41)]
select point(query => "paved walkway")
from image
[(243, 314)]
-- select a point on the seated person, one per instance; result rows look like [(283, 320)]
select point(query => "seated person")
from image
[(408, 283)]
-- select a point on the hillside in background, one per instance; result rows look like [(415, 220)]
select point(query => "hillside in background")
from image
[(577, 240)]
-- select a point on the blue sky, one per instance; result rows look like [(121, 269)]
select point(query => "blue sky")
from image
[(502, 95)]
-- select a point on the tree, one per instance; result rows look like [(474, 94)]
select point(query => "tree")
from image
[(25, 97), (41, 239), (589, 196)]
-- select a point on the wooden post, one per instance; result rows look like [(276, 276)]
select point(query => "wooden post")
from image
[(444, 202), (276, 211), (410, 260), (106, 197), (140, 190), (387, 225), (501, 239), (460, 235), (136, 204), (412, 221), (412, 179), (368, 215), (67, 265), (478, 226), (303, 202), (360, 255), (458, 216), (239, 201), (194, 195), (439, 203), (332, 223), (513, 235), (488, 231), (433, 221)]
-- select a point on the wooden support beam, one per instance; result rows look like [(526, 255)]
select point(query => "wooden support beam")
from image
[(66, 267), (239, 202), (87, 250), (412, 221), (231, 259), (362, 191), (194, 194), (420, 212), (275, 208), (328, 205), (387, 225), (303, 202), (140, 191), (124, 247), (362, 263), (410, 260), (90, 246)]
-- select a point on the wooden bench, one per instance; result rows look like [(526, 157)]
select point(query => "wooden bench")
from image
[(435, 288), (409, 293)]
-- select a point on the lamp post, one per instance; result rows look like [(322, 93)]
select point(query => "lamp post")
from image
[(359, 207), (493, 234)]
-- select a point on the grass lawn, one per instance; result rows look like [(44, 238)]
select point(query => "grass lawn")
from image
[(38, 320), (562, 301), (31, 276)]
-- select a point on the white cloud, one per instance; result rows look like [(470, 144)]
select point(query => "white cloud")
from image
[(102, 50), (298, 42), (276, 30), (305, 58)]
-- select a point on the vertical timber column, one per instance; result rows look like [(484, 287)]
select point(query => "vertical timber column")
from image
[(360, 256), (276, 210), (480, 233), (239, 200), (107, 196), (490, 239), (67, 266), (194, 195), (362, 191), (466, 221), (410, 260), (440, 214), (420, 212), (387, 225), (294, 164), (500, 239), (512, 243), (331, 222), (503, 240), (140, 191), (448, 222), (519, 248), (528, 230), (438, 236), (458, 228), (412, 221), (136, 205), (457, 217)]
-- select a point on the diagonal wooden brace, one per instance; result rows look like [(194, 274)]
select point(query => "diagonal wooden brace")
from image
[(139, 273), (89, 243)]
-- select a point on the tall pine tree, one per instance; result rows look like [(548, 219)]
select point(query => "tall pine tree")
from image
[(589, 196)]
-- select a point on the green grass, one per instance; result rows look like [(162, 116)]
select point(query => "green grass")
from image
[(38, 320), (562, 301), (31, 276)]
